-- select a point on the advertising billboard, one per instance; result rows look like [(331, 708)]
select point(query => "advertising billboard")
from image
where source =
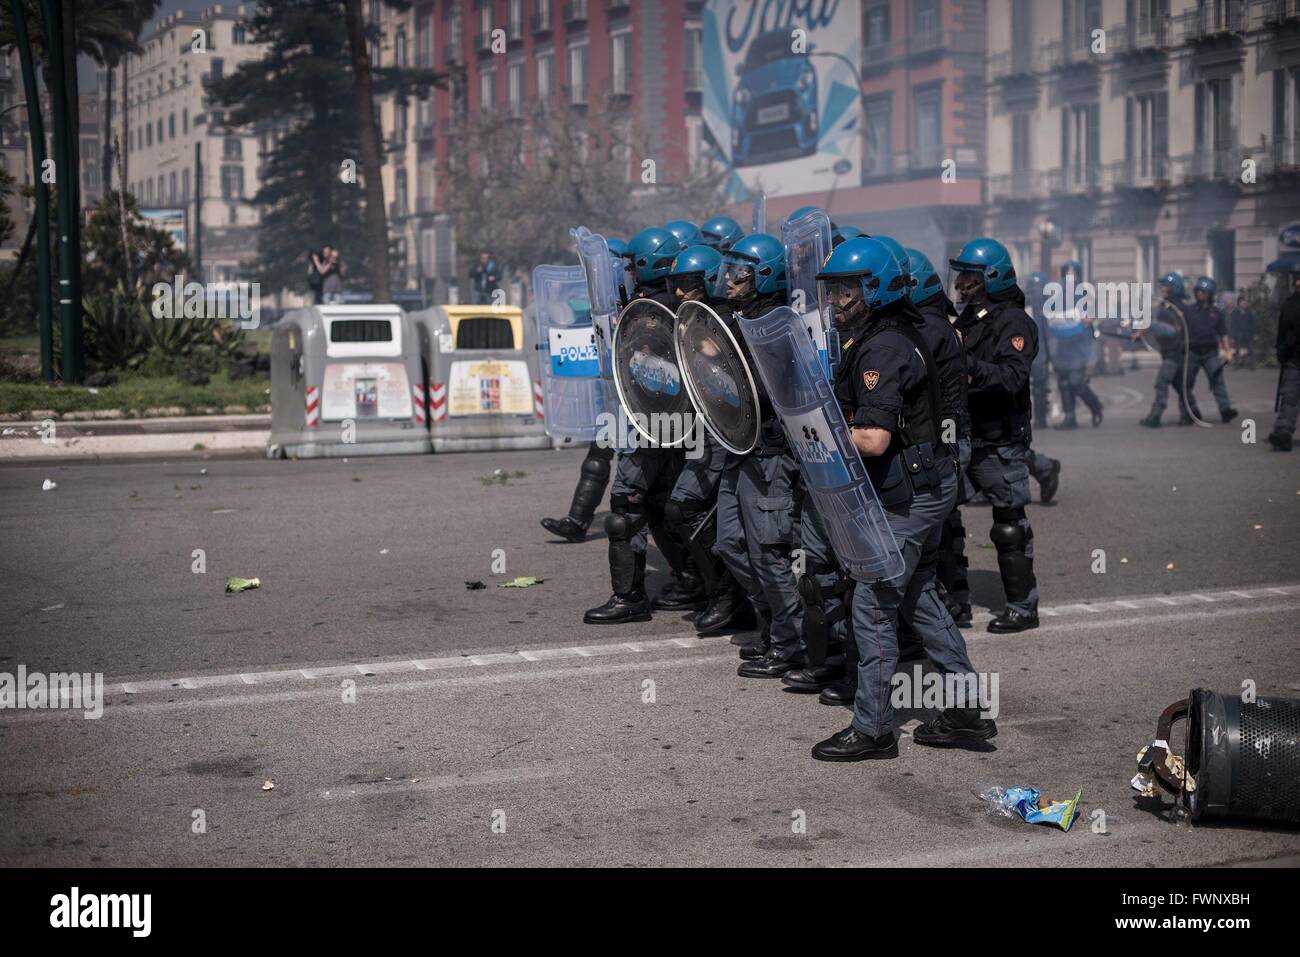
[(781, 99)]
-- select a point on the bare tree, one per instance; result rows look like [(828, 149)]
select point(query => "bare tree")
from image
[(517, 184), (372, 158)]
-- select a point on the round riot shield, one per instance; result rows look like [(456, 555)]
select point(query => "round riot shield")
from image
[(646, 374), (717, 377)]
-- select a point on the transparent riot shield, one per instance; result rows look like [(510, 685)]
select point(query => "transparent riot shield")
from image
[(785, 360), (646, 375), (807, 243), (568, 356), (759, 221), (717, 377), (604, 277)]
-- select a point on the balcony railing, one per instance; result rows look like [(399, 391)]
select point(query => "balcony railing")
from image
[(1216, 164), (878, 55), (1139, 173), (1142, 35), (1279, 11), (1006, 64), (618, 6), (542, 22), (1073, 51), (928, 157), (575, 11), (1284, 152), (1214, 18), (1073, 180), (1024, 184)]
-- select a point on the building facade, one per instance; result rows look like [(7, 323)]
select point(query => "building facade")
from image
[(1143, 136), (178, 152)]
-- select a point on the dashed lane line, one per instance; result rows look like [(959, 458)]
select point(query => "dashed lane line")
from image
[(667, 643)]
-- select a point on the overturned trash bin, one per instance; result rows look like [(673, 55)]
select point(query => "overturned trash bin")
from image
[(1241, 758), (346, 380), (484, 389)]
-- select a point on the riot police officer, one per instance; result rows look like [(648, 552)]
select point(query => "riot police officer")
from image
[(686, 233), (593, 475), (644, 477), (1071, 349), (1207, 344), (1001, 342), (1169, 331), (889, 385), (720, 232), (690, 511), (756, 494), (1287, 403), (1040, 372)]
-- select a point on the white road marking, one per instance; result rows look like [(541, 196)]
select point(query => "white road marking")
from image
[(444, 782), (1061, 614)]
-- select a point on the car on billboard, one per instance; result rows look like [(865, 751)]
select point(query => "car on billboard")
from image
[(774, 105)]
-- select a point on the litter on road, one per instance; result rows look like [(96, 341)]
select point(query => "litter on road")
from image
[(1027, 804), (242, 584)]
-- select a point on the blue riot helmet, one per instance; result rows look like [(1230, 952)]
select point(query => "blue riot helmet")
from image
[(861, 276), (925, 279), (983, 266), (904, 261), (688, 234), (1173, 286), (801, 212), (841, 234), (1072, 267), (721, 232), (696, 268), (753, 266), (1206, 285), (1035, 282), (652, 252), (616, 246)]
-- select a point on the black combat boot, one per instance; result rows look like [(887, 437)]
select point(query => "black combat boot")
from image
[(1011, 621), (627, 575), (728, 610), (758, 648), (852, 745), (1280, 441), (1152, 421), (769, 666), (1049, 485), (1228, 415), (684, 591), (956, 728), (812, 679), (565, 528), (620, 609), (1066, 424)]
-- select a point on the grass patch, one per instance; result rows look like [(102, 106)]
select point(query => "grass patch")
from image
[(134, 394)]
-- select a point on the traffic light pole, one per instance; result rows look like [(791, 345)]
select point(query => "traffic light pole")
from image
[(65, 131), (36, 131)]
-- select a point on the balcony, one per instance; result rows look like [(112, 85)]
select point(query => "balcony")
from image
[(1073, 180), (879, 56), (424, 129), (618, 7), (575, 12), (425, 205), (540, 23), (1284, 153), (1279, 11), (1068, 53), (451, 53), (1018, 186), (514, 32), (1012, 64), (1211, 164), (1146, 173), (1142, 35), (483, 44), (1214, 19)]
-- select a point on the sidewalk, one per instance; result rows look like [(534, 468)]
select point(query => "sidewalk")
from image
[(91, 441)]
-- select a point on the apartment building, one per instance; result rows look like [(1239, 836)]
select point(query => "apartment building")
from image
[(179, 154), (1142, 136)]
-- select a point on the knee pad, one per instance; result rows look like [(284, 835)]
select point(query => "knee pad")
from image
[(595, 468), (617, 527), (1008, 533)]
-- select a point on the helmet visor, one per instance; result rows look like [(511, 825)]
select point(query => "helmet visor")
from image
[(735, 278)]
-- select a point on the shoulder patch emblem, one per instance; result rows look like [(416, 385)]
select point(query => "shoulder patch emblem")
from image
[(871, 379), (1018, 343)]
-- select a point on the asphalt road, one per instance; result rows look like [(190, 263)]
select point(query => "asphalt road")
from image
[(499, 706)]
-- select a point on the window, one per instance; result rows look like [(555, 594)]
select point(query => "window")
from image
[(148, 135), (693, 53), (424, 37), (487, 87), (929, 135), (232, 148), (879, 158), (1083, 253), (185, 186), (925, 17), (148, 188), (1022, 155), (171, 126), (485, 17), (160, 130), (515, 86), (238, 34), (620, 63), (399, 192), (515, 18), (171, 188), (232, 182), (1146, 150), (1214, 129), (217, 70), (185, 121), (1080, 145), (399, 48), (1148, 259), (545, 75), (578, 73), (162, 197), (1144, 16), (1078, 19), (424, 112), (1286, 116), (876, 33)]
